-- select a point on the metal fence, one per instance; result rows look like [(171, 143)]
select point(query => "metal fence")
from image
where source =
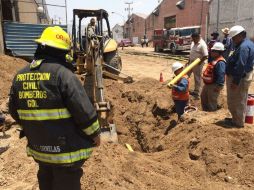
[(19, 37)]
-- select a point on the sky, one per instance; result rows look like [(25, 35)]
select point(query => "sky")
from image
[(117, 6)]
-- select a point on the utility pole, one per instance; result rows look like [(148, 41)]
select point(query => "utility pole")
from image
[(218, 16), (201, 14), (54, 20), (13, 11), (66, 13), (129, 9), (1, 30)]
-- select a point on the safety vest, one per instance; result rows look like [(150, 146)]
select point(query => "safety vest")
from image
[(208, 74), (58, 120), (181, 95)]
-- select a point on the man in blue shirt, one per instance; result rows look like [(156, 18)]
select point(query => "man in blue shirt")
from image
[(214, 78), (239, 72), (228, 43), (215, 38)]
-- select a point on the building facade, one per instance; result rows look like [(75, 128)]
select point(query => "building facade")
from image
[(225, 13), (1, 31), (167, 16), (118, 33), (25, 11), (134, 28)]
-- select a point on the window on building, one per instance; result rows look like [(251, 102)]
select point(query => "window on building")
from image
[(156, 11), (170, 22), (7, 10), (170, 32), (188, 32)]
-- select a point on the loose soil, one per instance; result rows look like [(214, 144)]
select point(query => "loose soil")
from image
[(8, 68), (196, 154)]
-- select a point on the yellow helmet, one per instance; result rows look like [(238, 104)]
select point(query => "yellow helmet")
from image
[(55, 37)]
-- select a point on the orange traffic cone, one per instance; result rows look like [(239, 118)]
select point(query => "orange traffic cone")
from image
[(161, 78)]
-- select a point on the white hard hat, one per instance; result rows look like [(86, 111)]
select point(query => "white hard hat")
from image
[(218, 46), (236, 30), (176, 66)]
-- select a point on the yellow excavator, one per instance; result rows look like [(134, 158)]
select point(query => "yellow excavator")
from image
[(96, 56)]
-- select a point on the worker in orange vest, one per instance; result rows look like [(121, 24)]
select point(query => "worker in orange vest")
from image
[(214, 78), (180, 91)]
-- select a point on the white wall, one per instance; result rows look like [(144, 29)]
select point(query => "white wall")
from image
[(117, 31), (232, 12)]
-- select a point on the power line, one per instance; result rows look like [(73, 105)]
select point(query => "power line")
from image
[(129, 9)]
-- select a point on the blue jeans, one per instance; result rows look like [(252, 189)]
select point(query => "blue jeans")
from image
[(180, 105)]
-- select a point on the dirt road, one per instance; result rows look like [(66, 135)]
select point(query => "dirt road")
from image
[(145, 66), (141, 66)]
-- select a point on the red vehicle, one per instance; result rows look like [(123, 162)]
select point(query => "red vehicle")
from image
[(125, 43), (175, 39)]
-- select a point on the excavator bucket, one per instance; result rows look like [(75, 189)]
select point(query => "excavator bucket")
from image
[(108, 129), (126, 79), (109, 134)]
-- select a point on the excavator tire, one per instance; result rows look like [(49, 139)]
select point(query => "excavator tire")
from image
[(114, 60)]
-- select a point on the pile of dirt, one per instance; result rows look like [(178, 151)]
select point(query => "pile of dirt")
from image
[(17, 171), (196, 154), (8, 68), (196, 157)]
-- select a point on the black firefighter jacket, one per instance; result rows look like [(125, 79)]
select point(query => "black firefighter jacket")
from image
[(57, 117)]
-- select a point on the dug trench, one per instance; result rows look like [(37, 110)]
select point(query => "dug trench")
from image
[(144, 113), (196, 154)]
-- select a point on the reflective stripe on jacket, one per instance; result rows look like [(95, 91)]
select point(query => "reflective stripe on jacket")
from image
[(57, 117), (181, 95), (64, 158)]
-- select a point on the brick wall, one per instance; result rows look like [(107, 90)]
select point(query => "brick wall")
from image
[(135, 27), (190, 16), (32, 16)]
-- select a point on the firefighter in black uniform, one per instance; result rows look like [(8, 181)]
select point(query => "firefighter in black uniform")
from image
[(51, 106)]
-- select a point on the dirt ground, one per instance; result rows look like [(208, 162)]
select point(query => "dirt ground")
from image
[(8, 66), (197, 154), (150, 67)]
